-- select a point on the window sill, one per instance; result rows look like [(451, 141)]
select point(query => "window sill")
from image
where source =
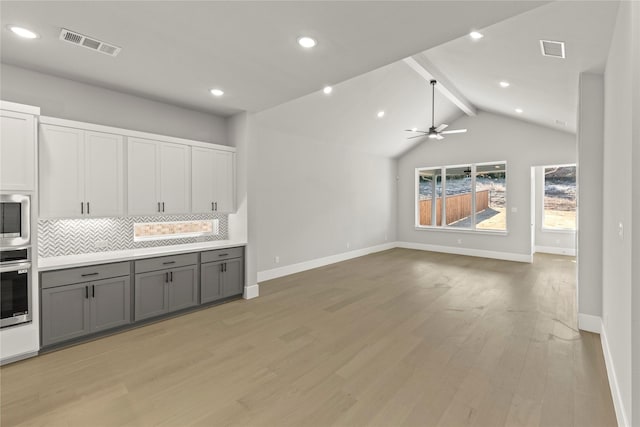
[(558, 230), (462, 230)]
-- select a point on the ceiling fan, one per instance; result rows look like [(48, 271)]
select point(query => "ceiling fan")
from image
[(434, 132)]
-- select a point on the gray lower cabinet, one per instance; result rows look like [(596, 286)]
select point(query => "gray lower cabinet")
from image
[(72, 311), (151, 294), (164, 291), (232, 283), (221, 279), (65, 313)]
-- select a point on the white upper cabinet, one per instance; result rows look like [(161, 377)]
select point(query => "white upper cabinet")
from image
[(143, 177), (159, 180), (212, 180), (81, 173), (104, 174), (174, 178), (17, 151)]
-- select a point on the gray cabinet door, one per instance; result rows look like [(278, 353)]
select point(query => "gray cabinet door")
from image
[(65, 313), (110, 303), (211, 281), (233, 277), (183, 288), (151, 294)]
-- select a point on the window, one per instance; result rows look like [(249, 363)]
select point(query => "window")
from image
[(474, 197), (559, 212)]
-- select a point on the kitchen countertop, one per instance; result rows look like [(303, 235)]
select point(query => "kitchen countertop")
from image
[(70, 261)]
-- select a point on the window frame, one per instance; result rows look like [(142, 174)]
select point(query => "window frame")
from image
[(543, 228), (448, 228)]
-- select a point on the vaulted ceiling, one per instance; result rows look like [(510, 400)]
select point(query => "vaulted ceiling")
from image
[(175, 51)]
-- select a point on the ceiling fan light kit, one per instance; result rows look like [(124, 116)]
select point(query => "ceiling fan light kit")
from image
[(434, 132)]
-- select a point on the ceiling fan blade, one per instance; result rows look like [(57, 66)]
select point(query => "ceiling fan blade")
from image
[(417, 130), (438, 137), (454, 131), (417, 136), (442, 127)]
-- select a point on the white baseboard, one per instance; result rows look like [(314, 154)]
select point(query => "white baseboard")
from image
[(252, 291), (506, 256), (556, 251), (18, 357), (321, 262), (589, 323), (616, 395)]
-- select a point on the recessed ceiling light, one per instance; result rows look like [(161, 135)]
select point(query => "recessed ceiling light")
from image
[(327, 90), (476, 35), (307, 42), (380, 114), (23, 32), (519, 110), (561, 122), (216, 92), (505, 84)]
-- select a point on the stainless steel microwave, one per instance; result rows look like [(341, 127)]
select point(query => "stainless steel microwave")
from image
[(15, 217)]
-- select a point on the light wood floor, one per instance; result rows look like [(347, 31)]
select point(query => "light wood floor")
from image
[(398, 338)]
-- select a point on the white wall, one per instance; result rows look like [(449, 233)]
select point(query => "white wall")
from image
[(67, 99), (635, 209), (314, 197), (242, 223), (490, 137), (618, 258), (550, 241), (589, 195)]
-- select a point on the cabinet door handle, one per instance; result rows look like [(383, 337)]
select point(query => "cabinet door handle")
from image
[(166, 277), (171, 280), (223, 254), (221, 268), (216, 206), (88, 211), (81, 208), (225, 266), (89, 274), (93, 291), (162, 206), (168, 262), (212, 208), (159, 207), (86, 292)]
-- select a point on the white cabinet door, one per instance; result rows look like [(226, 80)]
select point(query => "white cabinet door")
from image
[(223, 181), (17, 151), (175, 178), (143, 177), (104, 190), (202, 179), (61, 172)]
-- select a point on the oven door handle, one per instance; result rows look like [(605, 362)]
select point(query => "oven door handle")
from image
[(15, 267)]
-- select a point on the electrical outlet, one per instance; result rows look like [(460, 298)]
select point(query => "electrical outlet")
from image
[(620, 230), (459, 241), (557, 241), (276, 259), (514, 210), (348, 245), (101, 244)]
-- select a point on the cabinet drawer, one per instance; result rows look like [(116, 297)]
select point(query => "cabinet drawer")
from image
[(51, 279), (222, 254), (161, 263)]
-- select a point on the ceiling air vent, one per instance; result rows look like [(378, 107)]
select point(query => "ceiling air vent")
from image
[(88, 42), (552, 48)]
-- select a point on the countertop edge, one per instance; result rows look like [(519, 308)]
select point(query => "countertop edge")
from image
[(82, 260)]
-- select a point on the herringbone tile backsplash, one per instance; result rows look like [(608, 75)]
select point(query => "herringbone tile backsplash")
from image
[(79, 236)]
